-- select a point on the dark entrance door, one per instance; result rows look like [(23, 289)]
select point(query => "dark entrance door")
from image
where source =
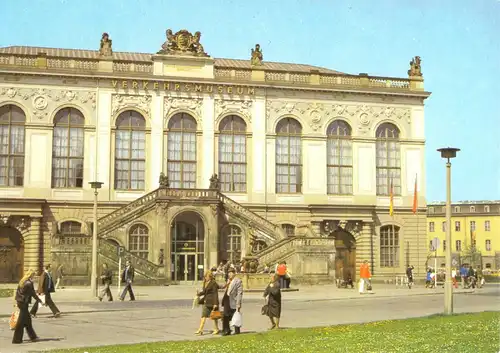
[(11, 255), (345, 255)]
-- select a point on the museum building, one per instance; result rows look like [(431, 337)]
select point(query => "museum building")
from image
[(205, 159)]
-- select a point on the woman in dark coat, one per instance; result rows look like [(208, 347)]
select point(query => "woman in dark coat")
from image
[(209, 300), (273, 294), (25, 291)]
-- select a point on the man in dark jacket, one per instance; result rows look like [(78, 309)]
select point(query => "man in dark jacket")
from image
[(127, 278), (107, 280), (46, 287)]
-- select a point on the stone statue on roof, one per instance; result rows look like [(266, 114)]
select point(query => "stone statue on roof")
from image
[(415, 68), (257, 57), (106, 45), (183, 43)]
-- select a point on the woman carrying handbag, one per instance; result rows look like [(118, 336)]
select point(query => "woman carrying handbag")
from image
[(273, 307), (208, 298)]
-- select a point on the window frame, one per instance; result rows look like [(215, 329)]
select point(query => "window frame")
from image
[(431, 227), (335, 142), (233, 134), (12, 158), (288, 137), (384, 143), (390, 246), (134, 246)]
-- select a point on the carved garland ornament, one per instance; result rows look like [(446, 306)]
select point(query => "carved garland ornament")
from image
[(122, 101), (243, 107), (41, 98), (193, 105), (317, 113), (20, 223)]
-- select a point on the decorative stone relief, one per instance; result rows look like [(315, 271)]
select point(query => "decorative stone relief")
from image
[(162, 209), (178, 103), (238, 107), (20, 223), (42, 100), (121, 101), (315, 114), (352, 227)]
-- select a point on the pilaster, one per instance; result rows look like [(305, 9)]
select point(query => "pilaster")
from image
[(33, 248), (155, 151), (208, 144), (258, 162), (364, 247)]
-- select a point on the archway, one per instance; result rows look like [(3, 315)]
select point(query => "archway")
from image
[(11, 255), (187, 234), (345, 254)]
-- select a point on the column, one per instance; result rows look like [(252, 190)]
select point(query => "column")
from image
[(33, 259), (364, 247), (103, 154), (258, 163), (207, 147), (155, 155)]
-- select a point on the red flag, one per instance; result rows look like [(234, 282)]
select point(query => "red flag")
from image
[(415, 197)]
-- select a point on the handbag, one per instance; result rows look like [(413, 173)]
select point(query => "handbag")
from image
[(215, 315), (265, 310), (13, 320), (201, 300)]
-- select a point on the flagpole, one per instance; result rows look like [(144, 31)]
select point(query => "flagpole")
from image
[(418, 233)]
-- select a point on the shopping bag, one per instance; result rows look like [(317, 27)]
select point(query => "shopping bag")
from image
[(13, 319), (237, 320), (361, 285), (196, 302), (42, 298)]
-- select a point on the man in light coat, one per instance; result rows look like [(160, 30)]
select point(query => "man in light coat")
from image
[(231, 301)]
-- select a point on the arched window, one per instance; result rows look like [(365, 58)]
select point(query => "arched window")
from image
[(71, 228), (389, 246), (181, 160), (138, 241), (339, 158), (289, 229), (130, 151), (12, 120), (67, 149), (388, 160), (232, 154), (232, 239), (288, 156)]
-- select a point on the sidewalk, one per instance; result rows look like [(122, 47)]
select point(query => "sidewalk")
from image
[(79, 299)]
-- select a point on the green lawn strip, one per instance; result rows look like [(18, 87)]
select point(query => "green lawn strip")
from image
[(6, 293), (458, 333)]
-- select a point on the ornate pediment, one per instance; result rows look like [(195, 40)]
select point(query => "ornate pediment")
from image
[(350, 226), (183, 43), (238, 107), (21, 223), (193, 105), (120, 102)]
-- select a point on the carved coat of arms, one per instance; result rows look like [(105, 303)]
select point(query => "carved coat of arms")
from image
[(183, 42)]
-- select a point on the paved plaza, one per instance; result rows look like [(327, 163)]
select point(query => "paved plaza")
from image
[(165, 313)]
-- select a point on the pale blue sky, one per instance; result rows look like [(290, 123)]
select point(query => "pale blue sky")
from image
[(458, 41)]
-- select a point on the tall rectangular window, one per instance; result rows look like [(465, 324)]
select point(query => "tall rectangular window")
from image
[(288, 156), (388, 160), (339, 158), (232, 154), (12, 131)]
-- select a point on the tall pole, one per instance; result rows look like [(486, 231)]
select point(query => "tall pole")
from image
[(93, 283), (448, 287)]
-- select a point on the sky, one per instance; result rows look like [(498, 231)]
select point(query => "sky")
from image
[(458, 41)]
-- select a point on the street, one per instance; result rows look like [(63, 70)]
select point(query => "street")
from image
[(95, 323)]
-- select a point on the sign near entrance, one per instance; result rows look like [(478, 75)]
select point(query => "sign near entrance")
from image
[(435, 244), (120, 250)]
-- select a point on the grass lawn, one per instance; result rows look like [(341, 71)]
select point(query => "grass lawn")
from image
[(465, 333), (6, 293)]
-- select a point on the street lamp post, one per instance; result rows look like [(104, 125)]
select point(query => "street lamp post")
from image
[(448, 153), (96, 185)]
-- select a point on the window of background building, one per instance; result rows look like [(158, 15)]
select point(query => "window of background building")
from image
[(443, 226), (444, 245), (139, 240), (389, 246), (431, 248), (487, 226), (388, 159), (473, 209), (181, 151), (71, 227), (488, 265), (457, 209), (486, 209), (68, 149), (130, 151), (232, 154), (458, 245), (288, 156), (431, 209), (457, 226), (339, 158), (487, 245), (12, 136), (472, 225), (431, 226)]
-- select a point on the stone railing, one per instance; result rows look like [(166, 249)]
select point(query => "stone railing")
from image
[(257, 221), (72, 240), (188, 193), (141, 265)]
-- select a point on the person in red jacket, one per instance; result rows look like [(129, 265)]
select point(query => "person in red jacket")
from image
[(281, 272), (365, 276)]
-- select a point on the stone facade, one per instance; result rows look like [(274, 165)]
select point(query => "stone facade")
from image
[(187, 81)]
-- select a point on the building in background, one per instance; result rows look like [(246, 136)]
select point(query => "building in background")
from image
[(304, 158), (475, 233)]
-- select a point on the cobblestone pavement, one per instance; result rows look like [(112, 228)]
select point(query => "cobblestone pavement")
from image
[(90, 323)]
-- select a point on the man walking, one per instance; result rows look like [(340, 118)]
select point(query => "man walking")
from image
[(231, 301), (46, 287), (127, 278), (59, 276), (107, 280), (364, 275), (409, 276)]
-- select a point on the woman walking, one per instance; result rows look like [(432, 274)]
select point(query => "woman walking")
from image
[(25, 291), (273, 295), (209, 300)]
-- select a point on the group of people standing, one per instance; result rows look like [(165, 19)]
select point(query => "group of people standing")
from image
[(208, 299)]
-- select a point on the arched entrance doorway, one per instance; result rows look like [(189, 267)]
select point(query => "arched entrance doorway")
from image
[(187, 234), (11, 255), (345, 255)]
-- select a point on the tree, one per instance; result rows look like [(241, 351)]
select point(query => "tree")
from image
[(471, 255)]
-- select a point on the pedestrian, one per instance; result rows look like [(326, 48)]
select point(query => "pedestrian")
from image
[(46, 287), (59, 276), (127, 278), (454, 277), (272, 309), (365, 277), (231, 301), (463, 275), (281, 272), (24, 292), (208, 298), (107, 280), (409, 275)]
